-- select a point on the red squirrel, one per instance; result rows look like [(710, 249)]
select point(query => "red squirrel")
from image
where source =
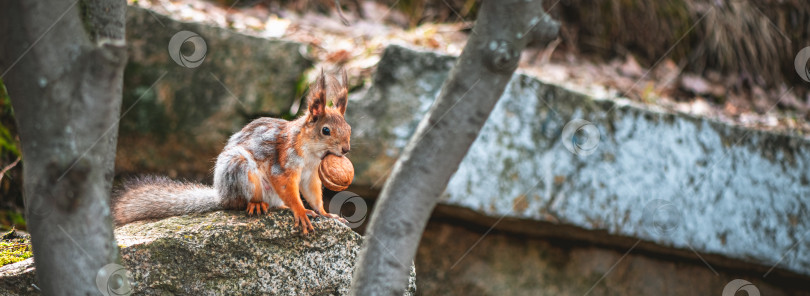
[(265, 165)]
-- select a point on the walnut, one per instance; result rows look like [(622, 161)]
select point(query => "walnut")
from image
[(336, 172)]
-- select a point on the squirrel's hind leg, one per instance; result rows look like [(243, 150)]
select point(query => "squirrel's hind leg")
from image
[(239, 183), (272, 198), (256, 202)]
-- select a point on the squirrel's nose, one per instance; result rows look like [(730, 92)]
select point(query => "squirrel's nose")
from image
[(345, 150)]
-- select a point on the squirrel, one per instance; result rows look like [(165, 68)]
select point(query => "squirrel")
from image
[(263, 166)]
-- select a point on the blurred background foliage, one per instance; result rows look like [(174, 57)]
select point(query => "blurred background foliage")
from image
[(753, 40), (10, 166)]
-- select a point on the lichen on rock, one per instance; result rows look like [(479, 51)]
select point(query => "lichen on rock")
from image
[(228, 253)]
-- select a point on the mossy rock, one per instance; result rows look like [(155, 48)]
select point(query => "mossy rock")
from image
[(227, 253)]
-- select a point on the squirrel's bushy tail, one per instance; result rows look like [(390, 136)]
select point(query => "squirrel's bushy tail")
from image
[(160, 197)]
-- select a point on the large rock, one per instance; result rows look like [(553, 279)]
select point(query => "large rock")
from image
[(680, 182), (177, 118), (227, 253)]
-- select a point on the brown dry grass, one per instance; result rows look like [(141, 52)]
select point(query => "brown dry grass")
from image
[(755, 41)]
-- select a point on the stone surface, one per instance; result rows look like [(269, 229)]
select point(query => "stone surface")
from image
[(18, 278), (384, 117), (227, 253), (176, 119), (680, 182), (506, 264)]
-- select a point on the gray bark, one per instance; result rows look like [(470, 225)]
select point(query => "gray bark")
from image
[(502, 30), (62, 63)]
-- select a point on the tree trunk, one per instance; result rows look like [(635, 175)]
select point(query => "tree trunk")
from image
[(476, 82), (62, 63)]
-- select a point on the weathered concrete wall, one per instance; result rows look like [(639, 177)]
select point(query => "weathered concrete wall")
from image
[(677, 181), (177, 118)]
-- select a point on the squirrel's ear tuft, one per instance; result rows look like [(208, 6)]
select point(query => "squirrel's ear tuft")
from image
[(316, 100), (342, 97)]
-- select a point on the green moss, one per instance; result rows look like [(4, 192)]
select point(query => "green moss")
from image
[(14, 250)]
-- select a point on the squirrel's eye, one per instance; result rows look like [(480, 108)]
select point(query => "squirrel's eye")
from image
[(326, 131)]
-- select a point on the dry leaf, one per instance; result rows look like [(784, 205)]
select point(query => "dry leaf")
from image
[(631, 68), (338, 57)]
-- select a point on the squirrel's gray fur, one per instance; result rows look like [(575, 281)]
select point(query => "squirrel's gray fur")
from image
[(160, 197)]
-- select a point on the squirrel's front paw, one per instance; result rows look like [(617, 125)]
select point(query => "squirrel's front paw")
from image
[(257, 207), (301, 220), (327, 215), (333, 216)]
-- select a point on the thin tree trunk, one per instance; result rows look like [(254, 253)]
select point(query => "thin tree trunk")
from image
[(62, 63), (476, 82)]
